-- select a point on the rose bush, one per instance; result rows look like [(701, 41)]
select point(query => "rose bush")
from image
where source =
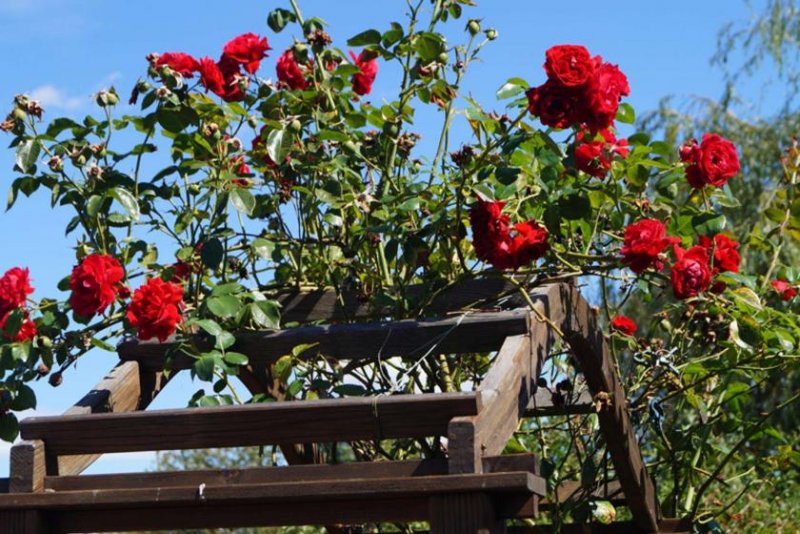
[(303, 182)]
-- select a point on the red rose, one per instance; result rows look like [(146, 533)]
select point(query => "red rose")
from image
[(724, 252), (594, 157), (570, 65), (644, 241), (783, 287), (223, 78), (181, 63), (624, 325), (690, 274), (368, 64), (712, 162), (95, 283), (180, 271), (529, 244), (15, 286), (155, 309), (490, 233), (555, 105), (247, 50), (27, 329), (289, 71), (603, 93)]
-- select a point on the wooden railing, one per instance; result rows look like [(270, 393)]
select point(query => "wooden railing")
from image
[(474, 490)]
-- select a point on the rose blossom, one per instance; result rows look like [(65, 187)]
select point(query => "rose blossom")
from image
[(594, 157), (624, 325), (368, 65), (15, 286), (247, 50), (555, 105), (155, 309), (289, 71), (783, 287), (222, 78), (725, 252), (569, 65), (603, 93), (27, 329), (95, 283), (181, 63), (643, 242), (493, 241), (690, 274), (712, 162)]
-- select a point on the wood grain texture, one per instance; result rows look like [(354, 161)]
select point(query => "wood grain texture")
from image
[(544, 403), (25, 522), (345, 419), (589, 347), (27, 470), (465, 513), (473, 332), (505, 393)]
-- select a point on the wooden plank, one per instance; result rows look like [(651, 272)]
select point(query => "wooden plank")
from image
[(505, 392), (27, 470), (327, 305), (589, 347), (473, 332), (118, 392), (25, 522), (544, 403), (346, 419), (572, 490), (327, 490), (465, 513), (283, 474)]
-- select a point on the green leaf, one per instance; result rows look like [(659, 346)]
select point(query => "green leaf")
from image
[(263, 248), (278, 145), (390, 37), (27, 155), (266, 313), (9, 427), (204, 366), (212, 253), (708, 223), (350, 390), (511, 88), (574, 206), (279, 18), (604, 512), (235, 358), (100, 344), (625, 113), (210, 326), (429, 45), (176, 120), (282, 368), (224, 306), (243, 200), (369, 37), (224, 340), (412, 204), (128, 201), (25, 399)]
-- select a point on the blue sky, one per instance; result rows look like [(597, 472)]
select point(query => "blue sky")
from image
[(63, 51)]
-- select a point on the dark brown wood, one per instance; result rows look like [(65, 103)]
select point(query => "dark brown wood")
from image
[(585, 339), (505, 393), (465, 513), (355, 418), (27, 470), (572, 490), (284, 474), (544, 403), (24, 522), (118, 392), (327, 490), (468, 332), (327, 305)]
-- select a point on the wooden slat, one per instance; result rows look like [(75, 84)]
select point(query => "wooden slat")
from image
[(25, 522), (118, 392), (544, 403), (473, 332), (586, 341), (326, 305), (27, 470), (465, 513), (505, 391), (572, 490), (327, 490), (346, 419), (283, 474)]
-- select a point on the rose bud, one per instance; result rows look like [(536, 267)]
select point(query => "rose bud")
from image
[(107, 98), (162, 92), (56, 379), (56, 164), (43, 370), (96, 172), (491, 34), (474, 27)]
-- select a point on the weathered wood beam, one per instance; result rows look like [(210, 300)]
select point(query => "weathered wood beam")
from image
[(589, 347), (473, 332), (27, 470), (543, 403), (346, 419)]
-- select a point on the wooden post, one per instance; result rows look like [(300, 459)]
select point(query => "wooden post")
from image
[(27, 471), (464, 513), (24, 522)]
